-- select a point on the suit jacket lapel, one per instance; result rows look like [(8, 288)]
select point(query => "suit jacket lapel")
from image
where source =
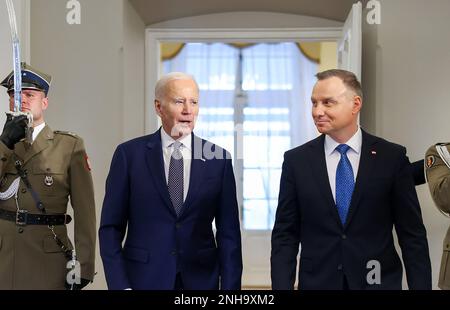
[(155, 163), (197, 164), (319, 166), (366, 163), (40, 144)]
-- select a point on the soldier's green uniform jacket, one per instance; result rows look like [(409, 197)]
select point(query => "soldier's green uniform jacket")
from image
[(57, 168), (438, 176)]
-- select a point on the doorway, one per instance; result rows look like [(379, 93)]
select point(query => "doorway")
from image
[(257, 181)]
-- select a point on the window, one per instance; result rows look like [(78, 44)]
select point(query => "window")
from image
[(253, 103)]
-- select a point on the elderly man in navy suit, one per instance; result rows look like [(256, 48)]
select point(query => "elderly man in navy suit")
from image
[(340, 196), (163, 192)]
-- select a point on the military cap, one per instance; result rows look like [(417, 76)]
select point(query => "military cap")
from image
[(31, 79)]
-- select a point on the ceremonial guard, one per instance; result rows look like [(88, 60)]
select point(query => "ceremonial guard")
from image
[(437, 163), (39, 170)]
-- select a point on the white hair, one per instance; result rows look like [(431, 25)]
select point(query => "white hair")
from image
[(165, 79)]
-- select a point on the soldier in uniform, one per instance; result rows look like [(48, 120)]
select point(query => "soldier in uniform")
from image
[(37, 179), (437, 165)]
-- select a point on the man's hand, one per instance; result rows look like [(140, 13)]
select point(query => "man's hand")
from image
[(14, 130)]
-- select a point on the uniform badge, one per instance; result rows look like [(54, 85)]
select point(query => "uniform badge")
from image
[(48, 180), (430, 161)]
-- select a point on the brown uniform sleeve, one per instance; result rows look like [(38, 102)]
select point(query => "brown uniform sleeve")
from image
[(83, 204), (438, 176)]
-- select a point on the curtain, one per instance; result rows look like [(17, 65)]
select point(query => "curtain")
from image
[(278, 80), (269, 91), (214, 68)]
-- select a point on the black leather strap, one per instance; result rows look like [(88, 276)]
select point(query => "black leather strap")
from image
[(23, 218), (23, 175)]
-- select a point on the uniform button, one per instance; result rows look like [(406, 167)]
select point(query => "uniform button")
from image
[(24, 190), (344, 236), (173, 253), (20, 230), (339, 267), (177, 225)]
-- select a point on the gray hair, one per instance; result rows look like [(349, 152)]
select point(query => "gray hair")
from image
[(165, 79)]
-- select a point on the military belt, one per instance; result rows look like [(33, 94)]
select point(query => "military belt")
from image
[(23, 218)]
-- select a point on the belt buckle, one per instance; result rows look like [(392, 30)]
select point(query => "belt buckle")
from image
[(21, 217)]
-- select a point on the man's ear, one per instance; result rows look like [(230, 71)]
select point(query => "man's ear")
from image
[(357, 104), (44, 103), (158, 107)]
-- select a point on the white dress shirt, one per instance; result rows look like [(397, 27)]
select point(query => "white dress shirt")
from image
[(333, 157), (37, 130), (186, 149)]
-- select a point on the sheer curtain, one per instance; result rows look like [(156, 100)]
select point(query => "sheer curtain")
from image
[(277, 80), (214, 68)]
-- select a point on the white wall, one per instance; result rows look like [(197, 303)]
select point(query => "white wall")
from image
[(22, 8), (247, 20), (406, 65), (134, 72), (97, 88)]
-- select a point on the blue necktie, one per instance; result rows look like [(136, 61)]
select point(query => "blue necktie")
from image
[(345, 183), (175, 183)]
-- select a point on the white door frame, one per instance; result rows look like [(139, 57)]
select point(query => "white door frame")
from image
[(255, 275)]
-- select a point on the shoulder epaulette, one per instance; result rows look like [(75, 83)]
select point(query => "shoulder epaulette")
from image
[(67, 133)]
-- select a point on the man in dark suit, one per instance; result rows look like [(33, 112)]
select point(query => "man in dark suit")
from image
[(340, 196), (418, 171), (164, 191)]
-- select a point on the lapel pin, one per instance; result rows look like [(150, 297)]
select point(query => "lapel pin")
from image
[(374, 152)]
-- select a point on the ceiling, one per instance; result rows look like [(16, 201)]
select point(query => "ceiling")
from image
[(155, 11)]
